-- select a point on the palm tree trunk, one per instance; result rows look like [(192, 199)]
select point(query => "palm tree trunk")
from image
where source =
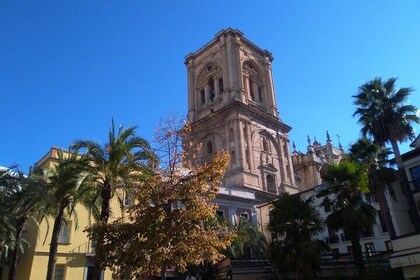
[(357, 254), (52, 257), (106, 194), (383, 205), (406, 187), (163, 273), (18, 237)]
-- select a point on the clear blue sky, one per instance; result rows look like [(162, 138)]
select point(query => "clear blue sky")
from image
[(67, 67)]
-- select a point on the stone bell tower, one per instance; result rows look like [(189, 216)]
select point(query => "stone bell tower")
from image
[(232, 107)]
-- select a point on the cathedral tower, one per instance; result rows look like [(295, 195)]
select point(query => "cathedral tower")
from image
[(232, 107)]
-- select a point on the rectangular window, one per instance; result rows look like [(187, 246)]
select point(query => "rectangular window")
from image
[(128, 199), (220, 213), (89, 273), (60, 270), (388, 245), (370, 249), (64, 236), (415, 175), (244, 215)]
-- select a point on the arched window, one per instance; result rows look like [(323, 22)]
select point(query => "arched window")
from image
[(203, 97), (209, 147), (211, 89), (271, 183), (265, 145), (220, 85)]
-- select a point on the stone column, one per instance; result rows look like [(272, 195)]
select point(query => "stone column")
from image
[(229, 68), (271, 100), (192, 94), (283, 170), (250, 147), (241, 147), (289, 159), (255, 91)]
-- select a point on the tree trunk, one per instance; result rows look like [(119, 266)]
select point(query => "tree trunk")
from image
[(18, 237), (357, 254), (52, 257), (163, 273), (106, 194), (406, 187), (383, 205)]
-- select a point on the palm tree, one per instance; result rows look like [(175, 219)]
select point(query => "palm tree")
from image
[(385, 118), (120, 163), (68, 185), (294, 222), (248, 238), (374, 158), (25, 198), (6, 219), (347, 180)]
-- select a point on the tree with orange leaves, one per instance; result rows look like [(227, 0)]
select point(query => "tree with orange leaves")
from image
[(170, 223)]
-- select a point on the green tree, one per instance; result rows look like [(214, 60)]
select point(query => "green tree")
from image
[(23, 197), (374, 158), (68, 185), (385, 118), (294, 222), (7, 229), (119, 164), (248, 241), (347, 181)]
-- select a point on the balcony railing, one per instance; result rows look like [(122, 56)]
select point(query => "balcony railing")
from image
[(87, 248)]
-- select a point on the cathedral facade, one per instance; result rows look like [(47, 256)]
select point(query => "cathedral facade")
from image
[(232, 107)]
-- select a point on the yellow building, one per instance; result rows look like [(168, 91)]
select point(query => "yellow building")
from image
[(74, 256)]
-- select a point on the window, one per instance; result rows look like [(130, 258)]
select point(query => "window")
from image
[(64, 236), (335, 252), (415, 175), (260, 94), (60, 270), (211, 89), (251, 92), (271, 183), (89, 273), (244, 215), (209, 147), (370, 248), (220, 213), (265, 145), (388, 245), (221, 85), (128, 199)]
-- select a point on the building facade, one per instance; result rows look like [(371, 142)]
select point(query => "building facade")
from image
[(407, 244), (232, 107), (75, 250)]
